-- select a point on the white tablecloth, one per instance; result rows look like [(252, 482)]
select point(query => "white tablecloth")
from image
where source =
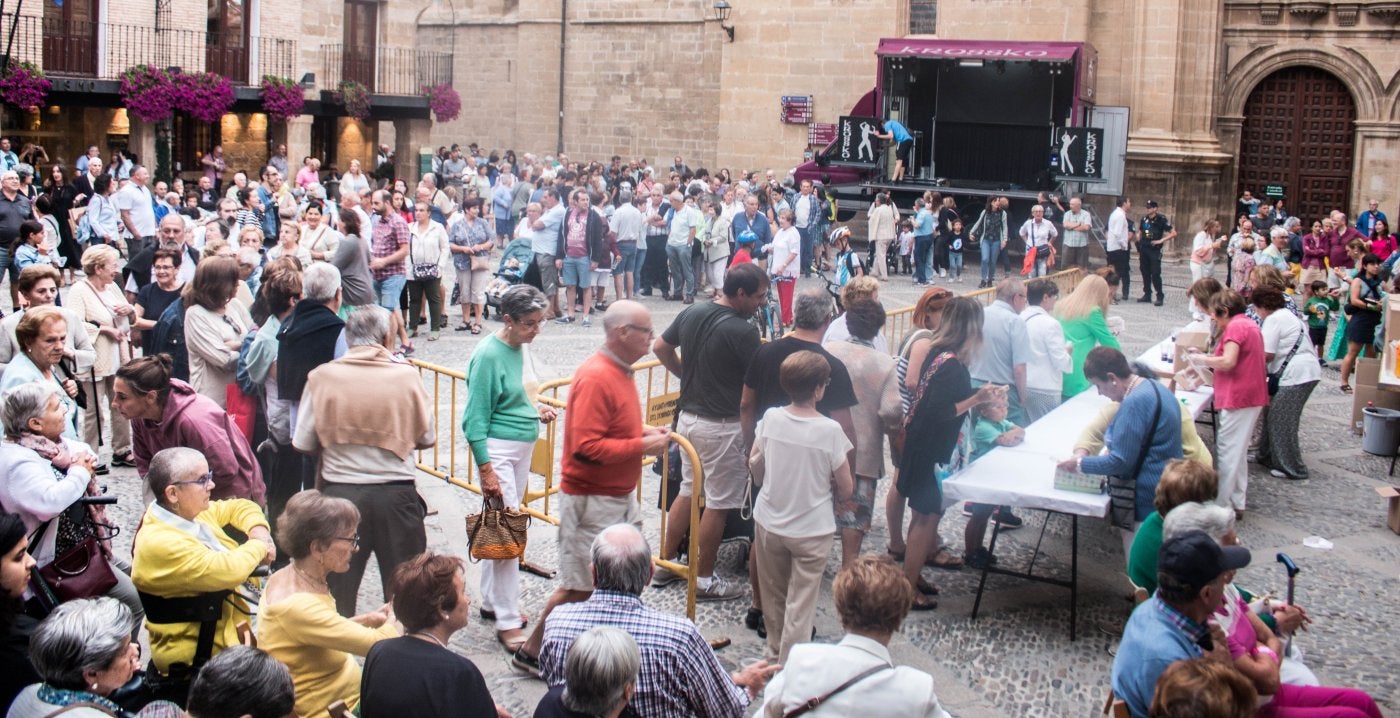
[(1024, 476)]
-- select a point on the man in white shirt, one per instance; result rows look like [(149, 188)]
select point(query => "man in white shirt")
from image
[(137, 210), (1120, 237), (686, 221), (1246, 230), (1050, 357), (546, 230), (627, 227), (1038, 233), (1077, 224), (806, 209)]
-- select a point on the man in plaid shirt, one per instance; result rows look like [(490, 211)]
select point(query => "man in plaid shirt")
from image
[(388, 248), (680, 674)]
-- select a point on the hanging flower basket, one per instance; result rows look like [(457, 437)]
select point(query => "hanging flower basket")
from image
[(282, 98), (206, 96), (25, 87), (149, 93), (444, 101), (355, 97)]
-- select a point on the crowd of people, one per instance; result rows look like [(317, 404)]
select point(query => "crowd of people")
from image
[(208, 334)]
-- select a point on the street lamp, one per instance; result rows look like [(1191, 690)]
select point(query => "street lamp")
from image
[(722, 10)]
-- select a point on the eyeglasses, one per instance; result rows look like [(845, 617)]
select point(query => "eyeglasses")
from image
[(205, 480), (354, 540)]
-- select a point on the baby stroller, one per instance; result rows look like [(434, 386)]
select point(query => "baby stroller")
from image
[(510, 274)]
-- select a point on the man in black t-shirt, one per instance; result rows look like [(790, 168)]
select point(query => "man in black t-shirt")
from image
[(717, 343), (811, 315)]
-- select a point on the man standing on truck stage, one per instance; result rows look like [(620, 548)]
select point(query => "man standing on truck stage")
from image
[(904, 147)]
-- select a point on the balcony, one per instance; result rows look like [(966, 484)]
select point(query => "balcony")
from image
[(76, 49), (384, 70)]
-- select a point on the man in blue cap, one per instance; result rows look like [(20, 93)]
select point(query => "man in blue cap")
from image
[(1192, 572)]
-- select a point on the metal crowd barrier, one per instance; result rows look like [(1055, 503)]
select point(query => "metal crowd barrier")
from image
[(660, 400), (899, 323)]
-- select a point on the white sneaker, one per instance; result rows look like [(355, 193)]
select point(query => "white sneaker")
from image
[(719, 590), (942, 272)]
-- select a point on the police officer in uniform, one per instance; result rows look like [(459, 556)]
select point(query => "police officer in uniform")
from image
[(1154, 230)]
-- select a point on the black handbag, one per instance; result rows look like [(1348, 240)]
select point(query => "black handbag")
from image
[(81, 397)]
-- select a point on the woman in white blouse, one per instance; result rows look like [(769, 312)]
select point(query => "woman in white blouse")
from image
[(107, 317), (318, 238), (214, 327), (428, 259)]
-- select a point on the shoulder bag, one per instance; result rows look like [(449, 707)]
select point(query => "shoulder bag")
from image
[(813, 703), (1122, 490), (422, 270), (1275, 377), (497, 533), (81, 572)]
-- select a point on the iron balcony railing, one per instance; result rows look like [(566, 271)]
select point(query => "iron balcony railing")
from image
[(384, 70), (77, 48)]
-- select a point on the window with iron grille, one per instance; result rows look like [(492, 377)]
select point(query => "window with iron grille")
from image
[(923, 17)]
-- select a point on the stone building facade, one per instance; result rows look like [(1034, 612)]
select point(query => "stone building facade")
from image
[(84, 46), (1224, 95)]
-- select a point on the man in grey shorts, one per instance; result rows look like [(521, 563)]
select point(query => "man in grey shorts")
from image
[(602, 459), (543, 243), (718, 343)]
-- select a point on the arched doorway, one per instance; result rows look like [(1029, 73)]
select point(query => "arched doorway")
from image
[(1298, 132)]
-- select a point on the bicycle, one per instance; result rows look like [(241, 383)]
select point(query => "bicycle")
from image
[(769, 317), (834, 290)]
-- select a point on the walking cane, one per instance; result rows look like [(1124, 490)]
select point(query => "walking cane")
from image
[(97, 408), (1292, 569)]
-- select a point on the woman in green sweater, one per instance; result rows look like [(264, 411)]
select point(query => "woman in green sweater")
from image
[(502, 422), (1082, 316)]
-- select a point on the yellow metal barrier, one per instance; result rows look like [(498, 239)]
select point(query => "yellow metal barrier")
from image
[(899, 323), (659, 410)]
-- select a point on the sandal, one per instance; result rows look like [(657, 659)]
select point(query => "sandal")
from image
[(511, 640), (1346, 388), (898, 556), (944, 559), (926, 588), (923, 603), (476, 328), (462, 327)]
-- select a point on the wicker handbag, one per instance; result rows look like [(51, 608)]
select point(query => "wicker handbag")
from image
[(497, 533)]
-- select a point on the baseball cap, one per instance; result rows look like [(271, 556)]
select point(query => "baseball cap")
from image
[(1151, 203), (747, 236), (1195, 559)]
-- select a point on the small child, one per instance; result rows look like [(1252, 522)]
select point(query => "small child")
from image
[(906, 246), (744, 255), (956, 241), (794, 507), (993, 429), (1318, 310)]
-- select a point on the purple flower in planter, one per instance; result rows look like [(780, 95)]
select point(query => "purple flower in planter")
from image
[(282, 98), (444, 101), (24, 86), (355, 97), (206, 96), (149, 93)]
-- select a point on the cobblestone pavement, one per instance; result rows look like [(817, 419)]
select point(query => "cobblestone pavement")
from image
[(1016, 658)]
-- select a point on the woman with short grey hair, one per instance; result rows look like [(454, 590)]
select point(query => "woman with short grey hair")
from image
[(600, 677), (83, 652), (502, 422)]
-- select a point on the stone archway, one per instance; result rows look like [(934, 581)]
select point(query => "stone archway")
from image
[(1299, 132)]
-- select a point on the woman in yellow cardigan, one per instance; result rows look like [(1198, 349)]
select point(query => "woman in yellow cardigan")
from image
[(181, 550), (298, 624)]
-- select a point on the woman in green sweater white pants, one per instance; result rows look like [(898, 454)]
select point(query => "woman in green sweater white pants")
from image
[(502, 422)]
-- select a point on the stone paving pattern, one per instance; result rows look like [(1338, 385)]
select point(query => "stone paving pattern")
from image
[(1016, 658)]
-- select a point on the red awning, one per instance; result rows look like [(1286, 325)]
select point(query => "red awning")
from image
[(978, 49)]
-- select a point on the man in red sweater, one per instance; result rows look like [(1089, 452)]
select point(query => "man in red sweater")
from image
[(604, 442)]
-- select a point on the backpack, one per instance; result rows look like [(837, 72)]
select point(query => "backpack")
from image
[(240, 376), (168, 337)]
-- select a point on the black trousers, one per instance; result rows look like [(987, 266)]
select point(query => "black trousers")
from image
[(654, 265), (1150, 262), (391, 528), (1118, 259)]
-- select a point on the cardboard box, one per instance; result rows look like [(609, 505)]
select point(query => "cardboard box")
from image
[(1186, 340), (1366, 389), (1393, 494)]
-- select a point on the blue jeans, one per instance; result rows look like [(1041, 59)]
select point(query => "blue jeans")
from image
[(628, 263), (990, 249), (808, 252), (922, 244), (682, 274), (388, 291), (576, 273), (955, 263)]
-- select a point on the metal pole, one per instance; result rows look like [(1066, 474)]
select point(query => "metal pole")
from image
[(563, 25), (10, 43)]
